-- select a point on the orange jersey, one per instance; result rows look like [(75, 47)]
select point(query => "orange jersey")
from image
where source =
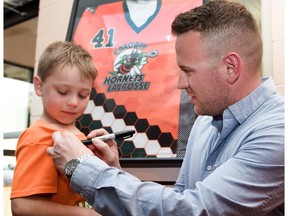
[(137, 64), (35, 172)]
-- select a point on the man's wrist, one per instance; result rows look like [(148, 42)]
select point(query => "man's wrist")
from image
[(72, 165)]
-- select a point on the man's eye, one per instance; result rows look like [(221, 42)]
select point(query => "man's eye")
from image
[(188, 72)]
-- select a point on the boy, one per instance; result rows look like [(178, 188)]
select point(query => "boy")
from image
[(64, 81)]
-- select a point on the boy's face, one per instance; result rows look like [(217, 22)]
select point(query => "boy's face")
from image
[(65, 95)]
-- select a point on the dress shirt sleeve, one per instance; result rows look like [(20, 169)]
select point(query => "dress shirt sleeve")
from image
[(110, 191)]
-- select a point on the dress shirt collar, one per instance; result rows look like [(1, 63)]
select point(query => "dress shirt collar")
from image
[(240, 111), (245, 107)]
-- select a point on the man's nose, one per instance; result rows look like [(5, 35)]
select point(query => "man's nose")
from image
[(182, 81)]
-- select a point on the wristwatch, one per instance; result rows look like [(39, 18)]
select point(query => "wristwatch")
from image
[(72, 165)]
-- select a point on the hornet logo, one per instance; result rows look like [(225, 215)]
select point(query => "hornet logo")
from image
[(127, 74), (131, 61)]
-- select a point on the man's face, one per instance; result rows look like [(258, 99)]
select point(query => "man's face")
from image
[(204, 83)]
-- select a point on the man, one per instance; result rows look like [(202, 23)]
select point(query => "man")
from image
[(234, 161)]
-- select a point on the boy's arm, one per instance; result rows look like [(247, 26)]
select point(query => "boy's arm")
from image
[(40, 206)]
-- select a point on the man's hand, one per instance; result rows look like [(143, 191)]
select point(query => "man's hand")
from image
[(66, 147), (108, 151)]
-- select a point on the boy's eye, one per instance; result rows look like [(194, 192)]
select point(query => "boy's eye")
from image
[(83, 96), (62, 92)]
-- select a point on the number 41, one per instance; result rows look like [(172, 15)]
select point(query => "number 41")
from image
[(98, 39)]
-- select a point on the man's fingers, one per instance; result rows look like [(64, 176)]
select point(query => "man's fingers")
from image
[(99, 144), (97, 132), (56, 135), (102, 150), (50, 150)]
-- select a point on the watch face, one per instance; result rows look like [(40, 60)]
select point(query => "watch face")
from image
[(70, 167)]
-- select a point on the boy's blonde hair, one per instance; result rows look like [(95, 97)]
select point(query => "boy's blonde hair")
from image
[(61, 54)]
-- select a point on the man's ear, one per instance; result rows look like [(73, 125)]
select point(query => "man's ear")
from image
[(233, 63), (38, 85)]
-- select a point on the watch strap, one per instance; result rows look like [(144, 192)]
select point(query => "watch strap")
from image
[(84, 156)]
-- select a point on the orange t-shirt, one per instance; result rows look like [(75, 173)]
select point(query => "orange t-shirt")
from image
[(35, 172)]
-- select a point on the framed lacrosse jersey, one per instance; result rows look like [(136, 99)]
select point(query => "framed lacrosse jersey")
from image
[(136, 88)]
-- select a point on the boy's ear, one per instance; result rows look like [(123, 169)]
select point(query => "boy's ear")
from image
[(232, 62), (37, 85)]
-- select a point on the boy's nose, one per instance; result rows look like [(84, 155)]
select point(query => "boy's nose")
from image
[(73, 101)]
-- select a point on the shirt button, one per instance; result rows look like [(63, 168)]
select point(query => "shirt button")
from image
[(209, 168)]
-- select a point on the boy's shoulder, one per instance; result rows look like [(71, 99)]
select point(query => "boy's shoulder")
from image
[(38, 133)]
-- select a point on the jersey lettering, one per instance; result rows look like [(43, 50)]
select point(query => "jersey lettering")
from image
[(99, 38)]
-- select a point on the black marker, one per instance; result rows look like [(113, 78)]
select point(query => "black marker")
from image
[(118, 135)]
